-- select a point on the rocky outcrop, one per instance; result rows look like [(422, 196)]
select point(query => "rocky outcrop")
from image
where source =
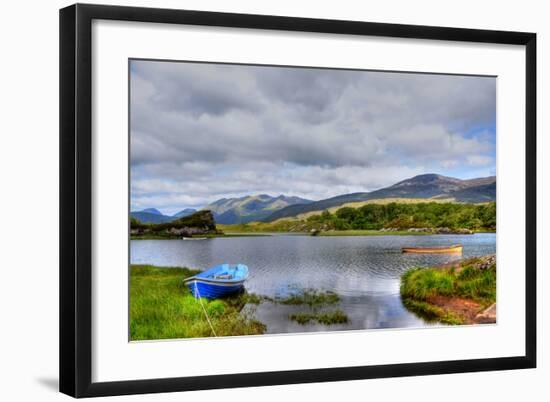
[(188, 231), (486, 262), (197, 224), (443, 230)]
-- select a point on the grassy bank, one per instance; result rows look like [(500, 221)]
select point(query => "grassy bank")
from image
[(452, 294), (162, 308), (371, 233)]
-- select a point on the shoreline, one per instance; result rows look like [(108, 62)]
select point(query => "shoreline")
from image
[(335, 233), (161, 307), (456, 293)]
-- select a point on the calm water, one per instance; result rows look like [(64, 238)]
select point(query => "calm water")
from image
[(363, 270)]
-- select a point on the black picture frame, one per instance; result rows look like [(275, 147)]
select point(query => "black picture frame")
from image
[(76, 199)]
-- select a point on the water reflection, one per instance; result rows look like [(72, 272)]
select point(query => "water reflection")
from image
[(364, 270)]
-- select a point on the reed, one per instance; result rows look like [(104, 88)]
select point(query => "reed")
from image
[(311, 297), (322, 317)]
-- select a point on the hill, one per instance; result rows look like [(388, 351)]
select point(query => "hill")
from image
[(198, 224), (426, 186), (153, 215), (423, 217), (250, 208)]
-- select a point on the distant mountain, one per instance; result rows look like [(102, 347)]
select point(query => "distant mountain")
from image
[(475, 194), (153, 215), (250, 208), (424, 186), (185, 212), (482, 189), (152, 211), (148, 217)]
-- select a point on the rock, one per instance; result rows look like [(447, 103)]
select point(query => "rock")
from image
[(420, 230), (487, 262), (487, 316)]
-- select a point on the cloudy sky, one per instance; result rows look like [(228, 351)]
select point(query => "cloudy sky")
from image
[(200, 132)]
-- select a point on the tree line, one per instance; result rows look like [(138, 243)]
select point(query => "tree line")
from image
[(414, 215)]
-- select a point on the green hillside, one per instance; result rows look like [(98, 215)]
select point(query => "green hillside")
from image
[(250, 208), (392, 216)]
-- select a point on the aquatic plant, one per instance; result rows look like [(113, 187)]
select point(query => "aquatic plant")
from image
[(311, 297), (325, 317)]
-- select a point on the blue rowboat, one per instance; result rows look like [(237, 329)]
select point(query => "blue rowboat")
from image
[(218, 281)]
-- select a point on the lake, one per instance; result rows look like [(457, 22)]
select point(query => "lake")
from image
[(364, 270)]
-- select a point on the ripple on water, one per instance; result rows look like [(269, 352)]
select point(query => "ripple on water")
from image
[(365, 270)]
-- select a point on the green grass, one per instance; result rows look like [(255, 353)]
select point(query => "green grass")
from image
[(161, 307), (282, 226), (467, 281), (326, 317)]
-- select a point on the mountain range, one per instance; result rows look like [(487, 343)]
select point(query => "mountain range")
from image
[(153, 215), (263, 207), (426, 186), (251, 208)]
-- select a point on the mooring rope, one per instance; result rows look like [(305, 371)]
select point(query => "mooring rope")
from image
[(204, 309)]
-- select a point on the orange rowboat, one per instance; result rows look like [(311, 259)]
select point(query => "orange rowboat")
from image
[(455, 248)]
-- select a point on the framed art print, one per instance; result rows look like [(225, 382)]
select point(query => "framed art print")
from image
[(256, 200)]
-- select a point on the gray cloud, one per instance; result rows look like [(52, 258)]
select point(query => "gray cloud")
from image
[(202, 131)]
